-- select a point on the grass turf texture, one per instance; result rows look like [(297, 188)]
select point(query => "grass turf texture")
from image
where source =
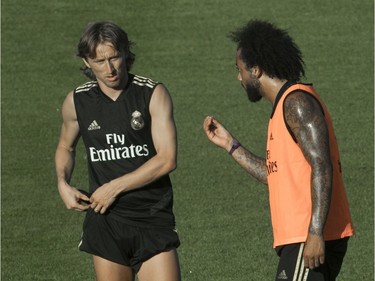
[(222, 214)]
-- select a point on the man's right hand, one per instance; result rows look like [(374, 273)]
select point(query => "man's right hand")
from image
[(216, 133), (73, 198)]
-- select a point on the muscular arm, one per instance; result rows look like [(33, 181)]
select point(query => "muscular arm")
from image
[(305, 118), (251, 163), (65, 154), (165, 141)]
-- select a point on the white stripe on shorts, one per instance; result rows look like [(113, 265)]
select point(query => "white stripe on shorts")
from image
[(300, 273)]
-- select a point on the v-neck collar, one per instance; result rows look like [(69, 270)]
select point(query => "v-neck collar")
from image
[(122, 94), (279, 95)]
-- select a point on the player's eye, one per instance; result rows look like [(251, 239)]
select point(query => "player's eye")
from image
[(114, 58), (99, 61)]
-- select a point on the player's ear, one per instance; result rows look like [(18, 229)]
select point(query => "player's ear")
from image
[(86, 62), (257, 71)]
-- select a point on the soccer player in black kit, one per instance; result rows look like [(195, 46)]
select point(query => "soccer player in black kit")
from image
[(127, 126)]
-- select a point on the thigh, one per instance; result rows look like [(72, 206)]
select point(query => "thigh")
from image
[(108, 239), (291, 265), (335, 253), (151, 242), (106, 270), (163, 266)]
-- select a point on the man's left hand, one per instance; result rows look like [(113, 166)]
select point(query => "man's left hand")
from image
[(313, 255)]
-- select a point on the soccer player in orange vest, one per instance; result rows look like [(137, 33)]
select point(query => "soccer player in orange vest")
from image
[(310, 215)]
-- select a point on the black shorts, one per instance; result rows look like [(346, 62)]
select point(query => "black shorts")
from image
[(124, 244), (291, 262)]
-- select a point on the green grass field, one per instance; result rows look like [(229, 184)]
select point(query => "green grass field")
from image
[(222, 214)]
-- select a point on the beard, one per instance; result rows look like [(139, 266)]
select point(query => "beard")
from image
[(252, 89)]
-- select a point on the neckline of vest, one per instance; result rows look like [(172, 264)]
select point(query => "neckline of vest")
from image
[(279, 95), (121, 96)]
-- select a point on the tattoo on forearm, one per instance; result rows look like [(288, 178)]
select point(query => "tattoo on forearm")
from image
[(305, 118), (254, 165)]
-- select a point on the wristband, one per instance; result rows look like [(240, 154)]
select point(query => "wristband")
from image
[(234, 147)]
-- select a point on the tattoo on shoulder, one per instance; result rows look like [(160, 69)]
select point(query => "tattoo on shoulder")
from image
[(303, 113)]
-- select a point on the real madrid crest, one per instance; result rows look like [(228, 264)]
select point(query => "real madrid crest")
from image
[(137, 121)]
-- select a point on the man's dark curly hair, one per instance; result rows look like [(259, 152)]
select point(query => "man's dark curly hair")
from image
[(271, 49), (104, 32)]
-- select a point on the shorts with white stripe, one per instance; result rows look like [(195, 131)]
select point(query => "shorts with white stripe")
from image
[(291, 265)]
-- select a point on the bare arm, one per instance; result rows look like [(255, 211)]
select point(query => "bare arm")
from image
[(253, 164), (165, 141), (305, 118), (64, 157)]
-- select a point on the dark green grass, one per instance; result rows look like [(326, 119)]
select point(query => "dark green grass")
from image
[(222, 214)]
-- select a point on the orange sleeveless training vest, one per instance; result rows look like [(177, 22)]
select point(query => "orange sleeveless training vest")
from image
[(288, 175)]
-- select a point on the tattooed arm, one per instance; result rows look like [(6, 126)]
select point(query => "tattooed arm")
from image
[(304, 116), (254, 165)]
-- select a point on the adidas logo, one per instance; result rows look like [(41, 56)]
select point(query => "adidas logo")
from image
[(93, 126), (282, 275)]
